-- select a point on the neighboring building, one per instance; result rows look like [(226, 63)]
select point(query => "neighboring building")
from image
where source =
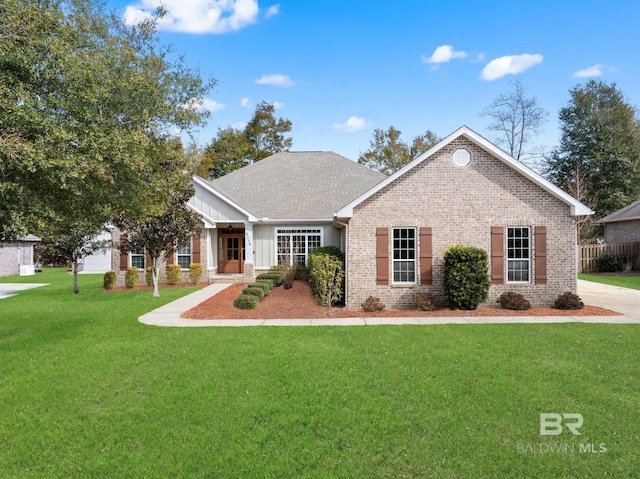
[(466, 191), (99, 261), (16, 257), (622, 226)]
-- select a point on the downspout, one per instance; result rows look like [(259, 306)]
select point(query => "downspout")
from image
[(346, 255)]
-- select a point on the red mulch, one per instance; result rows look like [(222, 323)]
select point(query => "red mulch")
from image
[(297, 303)]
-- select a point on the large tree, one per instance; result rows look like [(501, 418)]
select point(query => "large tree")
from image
[(83, 98), (515, 119), (388, 153), (263, 136), (599, 151)]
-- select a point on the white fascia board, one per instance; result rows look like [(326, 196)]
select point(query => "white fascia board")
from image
[(577, 208), (250, 216), (272, 221)]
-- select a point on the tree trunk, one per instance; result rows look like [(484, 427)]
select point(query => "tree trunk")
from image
[(154, 274), (74, 267)]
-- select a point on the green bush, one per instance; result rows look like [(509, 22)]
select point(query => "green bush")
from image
[(110, 280), (131, 277), (424, 302), (252, 290), (275, 276), (326, 278), (330, 250), (266, 285), (246, 301), (148, 276), (173, 274), (568, 300), (513, 301), (195, 272), (608, 262), (372, 305), (466, 276)]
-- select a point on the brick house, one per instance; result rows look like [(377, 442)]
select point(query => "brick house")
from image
[(622, 226), (466, 191), (17, 256)]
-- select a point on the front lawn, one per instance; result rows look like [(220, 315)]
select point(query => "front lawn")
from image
[(87, 391), (622, 280)]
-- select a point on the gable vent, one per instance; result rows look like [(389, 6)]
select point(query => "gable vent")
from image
[(461, 157)]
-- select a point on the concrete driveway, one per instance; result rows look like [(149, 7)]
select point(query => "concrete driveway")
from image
[(11, 289), (621, 300)]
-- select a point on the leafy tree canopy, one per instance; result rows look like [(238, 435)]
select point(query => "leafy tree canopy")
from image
[(388, 153)]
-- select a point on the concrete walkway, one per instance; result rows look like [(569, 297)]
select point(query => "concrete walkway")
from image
[(11, 289), (169, 314)]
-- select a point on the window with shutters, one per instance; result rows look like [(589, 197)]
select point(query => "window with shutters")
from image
[(183, 256), (518, 254), (138, 259), (404, 255)]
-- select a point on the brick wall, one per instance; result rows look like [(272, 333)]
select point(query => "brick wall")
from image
[(460, 204), (622, 232)]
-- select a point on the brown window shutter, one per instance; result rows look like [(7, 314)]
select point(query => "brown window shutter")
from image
[(147, 260), (426, 256), (541, 254), (195, 249), (124, 257), (497, 254), (382, 255)]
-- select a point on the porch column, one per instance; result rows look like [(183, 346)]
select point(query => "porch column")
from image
[(249, 268)]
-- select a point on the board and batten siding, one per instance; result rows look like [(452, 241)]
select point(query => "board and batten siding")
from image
[(213, 207)]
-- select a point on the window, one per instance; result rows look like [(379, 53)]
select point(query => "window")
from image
[(518, 255), (184, 255), (294, 245), (138, 259), (404, 255)]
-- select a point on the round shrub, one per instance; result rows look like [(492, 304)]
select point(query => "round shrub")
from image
[(424, 302), (513, 301), (466, 276), (568, 300), (173, 274), (266, 284), (372, 305), (195, 272), (131, 277), (246, 301), (608, 262), (275, 276), (256, 291), (148, 276), (110, 280)]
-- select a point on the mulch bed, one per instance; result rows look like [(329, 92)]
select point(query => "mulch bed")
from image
[(297, 303)]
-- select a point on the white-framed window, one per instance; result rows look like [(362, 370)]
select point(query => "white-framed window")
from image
[(183, 255), (518, 254), (404, 255), (293, 245), (138, 259)]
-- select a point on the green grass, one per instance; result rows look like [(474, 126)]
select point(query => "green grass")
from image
[(87, 391), (632, 282)]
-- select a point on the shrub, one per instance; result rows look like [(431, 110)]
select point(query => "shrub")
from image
[(275, 276), (289, 276), (195, 272), (568, 300), (372, 305), (246, 301), (330, 250), (513, 301), (326, 278), (110, 280), (466, 276), (608, 262), (252, 290), (173, 274), (148, 276), (266, 285), (131, 277), (424, 302)]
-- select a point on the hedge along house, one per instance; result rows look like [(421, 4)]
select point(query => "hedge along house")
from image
[(275, 211), (466, 191)]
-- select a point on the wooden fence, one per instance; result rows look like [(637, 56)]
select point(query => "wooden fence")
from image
[(626, 252)]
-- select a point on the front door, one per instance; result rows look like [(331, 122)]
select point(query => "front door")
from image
[(231, 258)]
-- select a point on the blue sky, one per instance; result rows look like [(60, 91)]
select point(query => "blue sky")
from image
[(338, 69)]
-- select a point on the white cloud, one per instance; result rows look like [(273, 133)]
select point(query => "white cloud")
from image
[(276, 80), (443, 54), (272, 11), (277, 105), (196, 16), (245, 103), (239, 125), (352, 125), (212, 105), (592, 71), (509, 65)]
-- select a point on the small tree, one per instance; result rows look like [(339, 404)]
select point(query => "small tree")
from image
[(466, 276), (326, 277)]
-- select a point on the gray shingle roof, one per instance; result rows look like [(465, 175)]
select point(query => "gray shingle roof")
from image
[(630, 212), (297, 185)]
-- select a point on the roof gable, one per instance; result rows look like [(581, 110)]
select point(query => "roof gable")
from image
[(628, 213), (308, 185), (577, 208)]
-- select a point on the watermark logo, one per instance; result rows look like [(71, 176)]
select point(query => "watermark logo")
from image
[(554, 424), (551, 423)]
